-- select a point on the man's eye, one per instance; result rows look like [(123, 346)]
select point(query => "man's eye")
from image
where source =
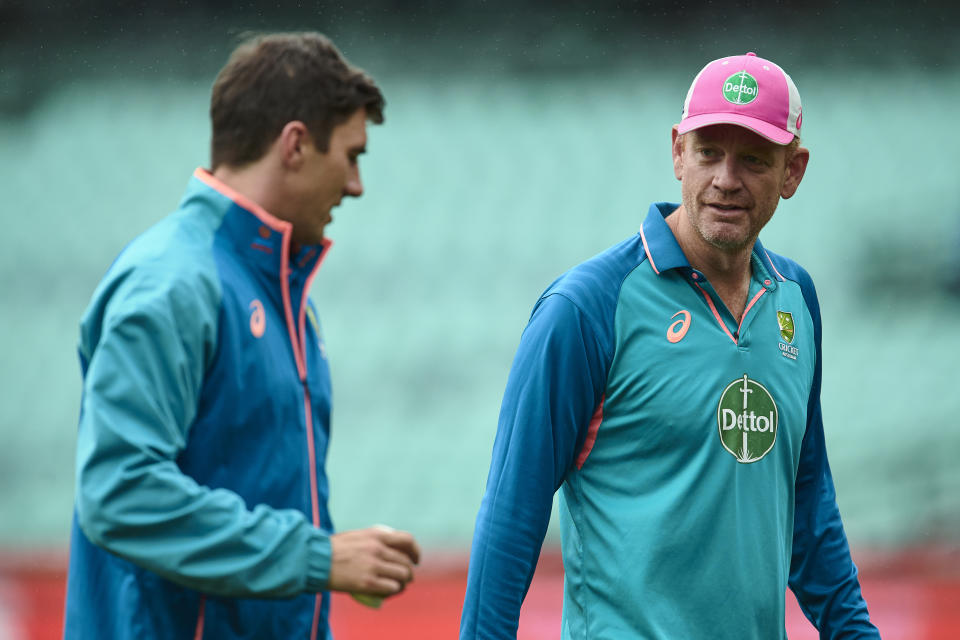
[(708, 153)]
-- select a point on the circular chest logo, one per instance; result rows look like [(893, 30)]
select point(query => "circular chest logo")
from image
[(740, 88), (747, 420)]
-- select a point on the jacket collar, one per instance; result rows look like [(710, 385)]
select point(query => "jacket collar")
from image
[(259, 237)]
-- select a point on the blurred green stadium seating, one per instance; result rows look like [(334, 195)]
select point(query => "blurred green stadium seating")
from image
[(482, 186)]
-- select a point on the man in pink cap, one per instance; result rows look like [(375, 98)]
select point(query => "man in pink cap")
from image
[(669, 388)]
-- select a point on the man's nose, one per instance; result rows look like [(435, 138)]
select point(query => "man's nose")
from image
[(727, 175), (354, 186)]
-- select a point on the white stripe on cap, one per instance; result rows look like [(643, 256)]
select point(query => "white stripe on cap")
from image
[(693, 85), (794, 116)]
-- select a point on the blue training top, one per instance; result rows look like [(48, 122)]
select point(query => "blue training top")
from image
[(688, 449), (201, 506)]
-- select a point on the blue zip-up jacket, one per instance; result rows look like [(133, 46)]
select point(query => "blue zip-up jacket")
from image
[(201, 502), (689, 453)]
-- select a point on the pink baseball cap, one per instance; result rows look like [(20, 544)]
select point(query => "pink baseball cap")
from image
[(746, 91)]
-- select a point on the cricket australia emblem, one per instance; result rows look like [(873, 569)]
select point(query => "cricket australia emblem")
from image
[(747, 420), (787, 329)]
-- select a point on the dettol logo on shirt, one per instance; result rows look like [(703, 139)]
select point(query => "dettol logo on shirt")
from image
[(747, 420), (740, 88)]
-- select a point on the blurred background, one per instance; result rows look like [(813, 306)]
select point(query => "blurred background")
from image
[(521, 138)]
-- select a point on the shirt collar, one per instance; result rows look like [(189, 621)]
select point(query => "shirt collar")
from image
[(663, 251)]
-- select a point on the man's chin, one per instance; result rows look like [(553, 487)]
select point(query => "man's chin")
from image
[(320, 231), (728, 240), (730, 245)]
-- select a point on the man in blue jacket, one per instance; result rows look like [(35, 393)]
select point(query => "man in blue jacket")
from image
[(670, 389), (201, 506)]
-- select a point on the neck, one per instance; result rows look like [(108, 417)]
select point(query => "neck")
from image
[(728, 271), (252, 181), (256, 183)]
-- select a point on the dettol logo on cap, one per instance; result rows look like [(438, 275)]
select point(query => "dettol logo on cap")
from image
[(747, 420), (740, 88)]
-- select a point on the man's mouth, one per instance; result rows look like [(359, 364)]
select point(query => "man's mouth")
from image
[(722, 206)]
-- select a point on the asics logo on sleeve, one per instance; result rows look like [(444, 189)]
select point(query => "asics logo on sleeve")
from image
[(258, 319), (678, 329)]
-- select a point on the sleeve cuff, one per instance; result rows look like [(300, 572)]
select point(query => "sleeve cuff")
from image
[(318, 561)]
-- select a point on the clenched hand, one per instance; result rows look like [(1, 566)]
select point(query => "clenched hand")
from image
[(375, 561)]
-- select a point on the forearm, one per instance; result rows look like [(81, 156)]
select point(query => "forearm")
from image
[(503, 558), (200, 538), (822, 573)]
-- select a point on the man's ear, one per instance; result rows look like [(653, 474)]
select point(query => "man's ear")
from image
[(677, 150), (292, 142), (794, 171)]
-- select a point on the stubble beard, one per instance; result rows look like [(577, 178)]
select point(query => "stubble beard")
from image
[(727, 243), (716, 238), (725, 237)]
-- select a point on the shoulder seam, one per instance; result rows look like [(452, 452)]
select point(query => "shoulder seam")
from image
[(583, 311)]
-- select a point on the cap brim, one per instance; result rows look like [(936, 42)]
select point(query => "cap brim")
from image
[(760, 127)]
